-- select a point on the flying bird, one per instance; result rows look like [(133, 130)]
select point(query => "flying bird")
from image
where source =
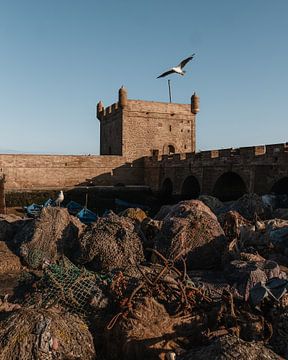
[(177, 69), (59, 199)]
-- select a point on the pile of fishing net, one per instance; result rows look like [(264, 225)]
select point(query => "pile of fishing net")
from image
[(9, 262), (9, 224), (215, 205), (35, 334), (45, 239), (77, 290), (134, 214), (192, 231), (251, 205), (111, 243), (230, 347)]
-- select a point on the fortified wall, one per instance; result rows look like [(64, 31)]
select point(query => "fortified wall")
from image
[(147, 143), (226, 173)]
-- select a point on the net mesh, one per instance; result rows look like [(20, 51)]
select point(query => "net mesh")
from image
[(71, 287)]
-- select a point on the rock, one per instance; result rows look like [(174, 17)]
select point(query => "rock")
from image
[(191, 230), (47, 334), (111, 243), (45, 239)]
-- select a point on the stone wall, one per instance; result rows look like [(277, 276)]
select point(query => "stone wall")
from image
[(60, 171), (258, 169), (137, 128)]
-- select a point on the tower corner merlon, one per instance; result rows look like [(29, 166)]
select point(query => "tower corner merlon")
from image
[(195, 103), (100, 110), (123, 97)]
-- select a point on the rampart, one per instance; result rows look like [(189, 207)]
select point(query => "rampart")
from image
[(32, 172), (225, 173)]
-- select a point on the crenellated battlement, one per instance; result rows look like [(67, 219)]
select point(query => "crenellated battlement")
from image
[(138, 128), (248, 152)]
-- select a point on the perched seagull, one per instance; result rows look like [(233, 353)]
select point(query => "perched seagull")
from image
[(59, 199), (177, 69)]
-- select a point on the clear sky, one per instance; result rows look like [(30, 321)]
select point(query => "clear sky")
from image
[(58, 58)]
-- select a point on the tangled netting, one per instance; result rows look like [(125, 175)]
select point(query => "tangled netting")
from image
[(40, 334), (73, 288), (192, 230), (112, 243), (48, 237)]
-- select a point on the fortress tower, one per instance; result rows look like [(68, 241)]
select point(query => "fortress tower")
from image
[(136, 128)]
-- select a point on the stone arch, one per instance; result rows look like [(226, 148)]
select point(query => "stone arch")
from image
[(169, 149), (167, 188), (229, 186), (190, 188), (281, 186)]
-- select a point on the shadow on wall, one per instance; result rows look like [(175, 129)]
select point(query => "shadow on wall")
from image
[(126, 174)]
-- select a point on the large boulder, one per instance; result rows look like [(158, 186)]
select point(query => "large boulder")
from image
[(191, 230), (45, 334), (112, 243), (47, 238)]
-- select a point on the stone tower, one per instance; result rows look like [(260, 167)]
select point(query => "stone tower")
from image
[(136, 128)]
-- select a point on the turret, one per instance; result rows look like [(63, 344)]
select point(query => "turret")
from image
[(195, 104), (122, 97), (100, 108)]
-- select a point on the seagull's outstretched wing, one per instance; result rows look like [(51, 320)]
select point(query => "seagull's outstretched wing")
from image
[(166, 73), (184, 62)]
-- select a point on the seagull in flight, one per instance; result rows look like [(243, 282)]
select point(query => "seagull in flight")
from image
[(177, 69)]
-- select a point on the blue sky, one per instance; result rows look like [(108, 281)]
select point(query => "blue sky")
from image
[(60, 57)]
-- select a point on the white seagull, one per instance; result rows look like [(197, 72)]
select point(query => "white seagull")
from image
[(59, 199), (177, 69)]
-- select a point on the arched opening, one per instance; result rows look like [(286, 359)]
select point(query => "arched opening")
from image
[(171, 149), (229, 186), (280, 187), (167, 188), (190, 188)]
